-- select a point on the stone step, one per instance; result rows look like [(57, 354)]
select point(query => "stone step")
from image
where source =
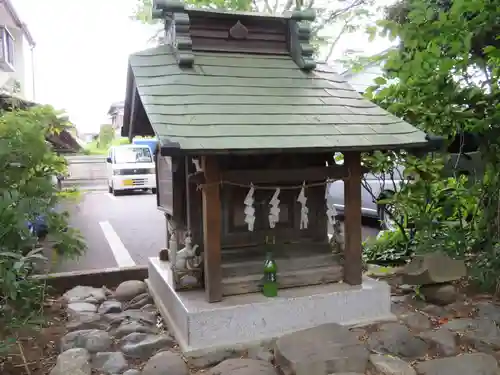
[(286, 279)]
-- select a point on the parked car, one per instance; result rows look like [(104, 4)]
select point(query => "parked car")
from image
[(375, 187), (130, 167), (464, 159)]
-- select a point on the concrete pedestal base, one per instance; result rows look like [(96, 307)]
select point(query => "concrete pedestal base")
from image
[(246, 319)]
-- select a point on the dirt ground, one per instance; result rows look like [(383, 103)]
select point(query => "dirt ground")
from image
[(36, 349)]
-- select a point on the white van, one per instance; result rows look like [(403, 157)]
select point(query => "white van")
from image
[(130, 167)]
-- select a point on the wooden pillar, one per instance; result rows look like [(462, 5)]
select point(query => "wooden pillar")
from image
[(212, 229), (352, 220)]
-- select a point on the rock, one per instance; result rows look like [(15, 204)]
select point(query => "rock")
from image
[(210, 358), (398, 308), (73, 361), (416, 321), (149, 308), (243, 366), (470, 364), (76, 308), (85, 294), (460, 309), (133, 315), (261, 353), (91, 339), (442, 340), (406, 289), (375, 270), (108, 307), (483, 334), (128, 327), (488, 310), (396, 339), (139, 301), (109, 362), (165, 363), (129, 289), (436, 311), (388, 365), (433, 268), (143, 345), (330, 347), (132, 372), (439, 294), (87, 320)]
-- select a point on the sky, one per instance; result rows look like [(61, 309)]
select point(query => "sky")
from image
[(82, 51)]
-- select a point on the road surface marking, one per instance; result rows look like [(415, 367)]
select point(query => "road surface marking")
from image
[(112, 196), (122, 256)]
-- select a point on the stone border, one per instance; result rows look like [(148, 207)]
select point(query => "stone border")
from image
[(110, 277)]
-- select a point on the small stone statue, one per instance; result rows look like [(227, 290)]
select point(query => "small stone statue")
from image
[(188, 258), (337, 239), (188, 267)]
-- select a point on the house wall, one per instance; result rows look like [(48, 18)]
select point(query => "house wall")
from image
[(23, 67), (117, 121)]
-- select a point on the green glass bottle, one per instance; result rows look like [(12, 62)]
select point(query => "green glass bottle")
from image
[(270, 287)]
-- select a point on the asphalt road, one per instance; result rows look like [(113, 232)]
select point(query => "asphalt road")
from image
[(125, 230)]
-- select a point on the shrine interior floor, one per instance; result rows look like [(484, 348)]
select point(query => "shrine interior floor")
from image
[(250, 318)]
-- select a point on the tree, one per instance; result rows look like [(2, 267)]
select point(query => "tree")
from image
[(106, 135), (334, 20), (444, 78)]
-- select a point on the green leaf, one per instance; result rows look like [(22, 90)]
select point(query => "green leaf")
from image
[(380, 81)]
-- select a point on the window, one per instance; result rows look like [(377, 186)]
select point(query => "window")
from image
[(6, 49), (133, 155)]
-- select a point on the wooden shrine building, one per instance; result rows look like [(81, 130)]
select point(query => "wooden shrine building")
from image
[(238, 103)]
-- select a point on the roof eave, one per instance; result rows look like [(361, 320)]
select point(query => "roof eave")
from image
[(432, 143), (127, 110), (10, 7)]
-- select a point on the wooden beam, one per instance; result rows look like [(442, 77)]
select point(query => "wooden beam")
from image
[(133, 104), (212, 218), (256, 176), (352, 220)]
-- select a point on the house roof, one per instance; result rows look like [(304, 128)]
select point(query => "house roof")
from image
[(114, 107), (240, 101)]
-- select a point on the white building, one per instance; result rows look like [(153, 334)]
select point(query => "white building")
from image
[(16, 54), (116, 113)]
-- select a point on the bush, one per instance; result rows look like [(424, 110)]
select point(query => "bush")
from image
[(26, 194)]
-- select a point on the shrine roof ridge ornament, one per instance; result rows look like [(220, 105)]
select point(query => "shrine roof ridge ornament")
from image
[(178, 30)]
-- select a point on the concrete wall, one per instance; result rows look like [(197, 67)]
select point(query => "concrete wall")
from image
[(86, 170), (23, 68)]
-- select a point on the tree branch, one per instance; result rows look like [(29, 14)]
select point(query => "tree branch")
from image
[(334, 43), (267, 7), (288, 5)]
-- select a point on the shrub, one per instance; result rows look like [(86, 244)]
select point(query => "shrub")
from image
[(27, 193)]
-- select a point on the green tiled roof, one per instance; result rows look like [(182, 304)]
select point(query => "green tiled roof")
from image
[(240, 101)]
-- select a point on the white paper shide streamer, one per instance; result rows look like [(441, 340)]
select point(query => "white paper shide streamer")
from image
[(304, 211), (249, 209), (197, 166), (274, 211), (331, 212)]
